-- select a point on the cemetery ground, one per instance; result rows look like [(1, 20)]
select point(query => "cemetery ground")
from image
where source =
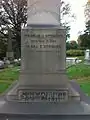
[(79, 72)]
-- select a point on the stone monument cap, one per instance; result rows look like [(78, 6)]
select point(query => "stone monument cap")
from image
[(42, 18), (43, 12)]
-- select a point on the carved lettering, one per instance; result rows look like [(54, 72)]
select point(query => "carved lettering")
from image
[(40, 42), (48, 96)]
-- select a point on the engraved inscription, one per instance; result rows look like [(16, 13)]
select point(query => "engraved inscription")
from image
[(43, 96), (40, 42)]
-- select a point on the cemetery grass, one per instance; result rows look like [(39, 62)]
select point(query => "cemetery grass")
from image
[(7, 77), (80, 73)]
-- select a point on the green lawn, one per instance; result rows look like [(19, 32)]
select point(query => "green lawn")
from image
[(3, 86), (7, 76), (80, 73)]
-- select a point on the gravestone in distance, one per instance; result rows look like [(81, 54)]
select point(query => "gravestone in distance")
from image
[(87, 57), (43, 90), (9, 53)]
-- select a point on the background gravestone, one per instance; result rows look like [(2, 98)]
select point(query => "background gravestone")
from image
[(87, 57)]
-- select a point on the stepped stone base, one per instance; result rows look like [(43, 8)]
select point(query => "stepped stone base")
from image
[(14, 108), (39, 109), (45, 94)]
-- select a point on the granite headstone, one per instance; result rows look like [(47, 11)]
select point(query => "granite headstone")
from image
[(43, 68), (87, 57)]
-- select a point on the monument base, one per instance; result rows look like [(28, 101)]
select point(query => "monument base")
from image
[(44, 94), (12, 107), (42, 109), (13, 110)]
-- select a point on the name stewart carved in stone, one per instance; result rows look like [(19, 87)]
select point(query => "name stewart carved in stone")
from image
[(43, 96)]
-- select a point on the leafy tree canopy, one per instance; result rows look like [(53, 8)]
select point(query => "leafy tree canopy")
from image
[(84, 39)]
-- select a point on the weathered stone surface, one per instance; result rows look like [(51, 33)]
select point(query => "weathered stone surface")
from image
[(43, 56), (43, 64), (43, 12), (43, 90)]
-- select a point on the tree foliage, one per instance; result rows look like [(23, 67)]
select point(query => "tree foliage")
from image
[(13, 13), (84, 39), (66, 17), (71, 45), (3, 46)]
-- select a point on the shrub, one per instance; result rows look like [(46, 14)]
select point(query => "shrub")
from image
[(75, 53)]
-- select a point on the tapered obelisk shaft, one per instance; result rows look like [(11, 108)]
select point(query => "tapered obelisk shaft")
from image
[(39, 8)]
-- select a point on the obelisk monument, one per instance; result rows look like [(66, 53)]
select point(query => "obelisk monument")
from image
[(37, 7), (43, 90), (43, 53)]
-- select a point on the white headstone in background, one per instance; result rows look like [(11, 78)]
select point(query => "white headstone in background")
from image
[(87, 56)]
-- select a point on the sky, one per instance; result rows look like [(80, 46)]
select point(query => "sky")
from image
[(77, 7)]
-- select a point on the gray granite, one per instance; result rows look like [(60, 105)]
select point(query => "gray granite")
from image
[(81, 107), (68, 110), (43, 90), (43, 12)]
